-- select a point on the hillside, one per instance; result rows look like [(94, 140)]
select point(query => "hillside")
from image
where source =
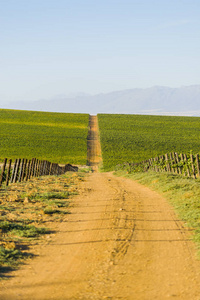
[(156, 100)]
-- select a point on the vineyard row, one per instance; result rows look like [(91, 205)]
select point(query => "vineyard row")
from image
[(24, 169)]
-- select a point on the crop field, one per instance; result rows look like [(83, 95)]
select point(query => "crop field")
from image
[(133, 138), (57, 137)]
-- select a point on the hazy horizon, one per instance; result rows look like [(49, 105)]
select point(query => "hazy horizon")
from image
[(155, 101)]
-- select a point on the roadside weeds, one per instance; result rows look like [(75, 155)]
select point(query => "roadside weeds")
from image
[(26, 208)]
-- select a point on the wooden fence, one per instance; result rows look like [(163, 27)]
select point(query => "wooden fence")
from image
[(183, 164), (24, 169)]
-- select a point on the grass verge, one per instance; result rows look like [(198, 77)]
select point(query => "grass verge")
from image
[(183, 193)]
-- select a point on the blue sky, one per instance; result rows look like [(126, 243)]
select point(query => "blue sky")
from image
[(61, 47)]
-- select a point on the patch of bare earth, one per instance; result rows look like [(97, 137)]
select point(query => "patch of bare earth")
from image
[(121, 241)]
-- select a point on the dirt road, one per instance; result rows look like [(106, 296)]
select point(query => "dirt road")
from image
[(93, 144), (121, 241)]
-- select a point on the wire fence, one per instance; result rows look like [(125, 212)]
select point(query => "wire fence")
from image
[(183, 164), (24, 169)]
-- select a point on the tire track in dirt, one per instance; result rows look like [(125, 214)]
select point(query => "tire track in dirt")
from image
[(121, 241)]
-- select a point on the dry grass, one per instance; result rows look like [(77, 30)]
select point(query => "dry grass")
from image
[(27, 208)]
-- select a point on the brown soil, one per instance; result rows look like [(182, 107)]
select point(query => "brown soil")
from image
[(94, 147), (122, 241)]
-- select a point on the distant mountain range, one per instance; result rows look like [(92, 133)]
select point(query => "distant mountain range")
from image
[(156, 101)]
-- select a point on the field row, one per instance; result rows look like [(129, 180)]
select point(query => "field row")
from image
[(57, 137), (134, 138)]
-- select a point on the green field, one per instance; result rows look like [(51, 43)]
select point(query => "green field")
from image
[(57, 137), (133, 138)]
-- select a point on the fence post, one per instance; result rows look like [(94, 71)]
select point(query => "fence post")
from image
[(35, 167), (28, 170), (197, 163), (178, 160), (45, 166), (41, 167), (63, 170), (38, 168), (13, 171), (188, 170), (146, 169), (149, 164), (24, 169), (163, 168), (21, 171), (32, 167), (3, 171), (50, 169), (171, 162), (56, 169), (17, 170), (154, 168), (193, 168), (174, 158), (182, 160), (8, 171), (167, 163)]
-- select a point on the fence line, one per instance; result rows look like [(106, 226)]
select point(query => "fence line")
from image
[(183, 164), (24, 169)]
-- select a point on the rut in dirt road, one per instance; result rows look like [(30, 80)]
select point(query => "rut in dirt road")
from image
[(121, 241), (93, 144)]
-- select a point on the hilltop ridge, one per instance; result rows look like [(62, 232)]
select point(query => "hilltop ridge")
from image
[(157, 100)]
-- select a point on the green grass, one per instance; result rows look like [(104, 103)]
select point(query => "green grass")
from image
[(22, 230), (9, 257), (47, 196), (183, 193), (57, 137), (51, 210), (133, 138)]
